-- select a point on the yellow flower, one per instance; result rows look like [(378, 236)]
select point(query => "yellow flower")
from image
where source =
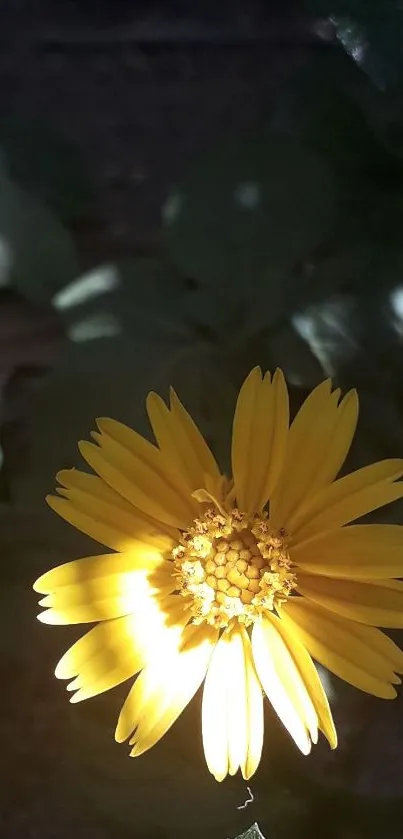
[(235, 582)]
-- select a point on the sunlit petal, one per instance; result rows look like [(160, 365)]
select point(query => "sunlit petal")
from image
[(116, 649), (310, 678), (141, 557), (165, 687), (215, 712), (282, 683)]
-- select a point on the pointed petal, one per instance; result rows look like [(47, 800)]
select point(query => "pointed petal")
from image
[(356, 653), (165, 687), (102, 532), (356, 552), (310, 677), (232, 711), (93, 496), (137, 471), (282, 683), (319, 439), (181, 441), (236, 702), (259, 438), (101, 659), (116, 649), (91, 568), (215, 712), (365, 601), (103, 598), (304, 451), (254, 711), (339, 444), (95, 509), (242, 433), (349, 498)]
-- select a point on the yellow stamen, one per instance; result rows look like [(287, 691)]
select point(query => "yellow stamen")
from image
[(232, 566)]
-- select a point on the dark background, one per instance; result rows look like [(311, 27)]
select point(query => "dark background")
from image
[(228, 179)]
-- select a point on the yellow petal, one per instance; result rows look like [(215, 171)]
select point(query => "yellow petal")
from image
[(95, 498), (308, 433), (259, 438), (254, 711), (349, 498), (356, 653), (244, 705), (165, 687), (310, 677), (103, 598), (207, 462), (101, 659), (366, 601), (215, 711), (232, 709), (318, 442), (181, 442), (282, 683), (138, 472), (116, 649), (236, 702), (339, 443), (89, 569), (356, 552), (104, 534)]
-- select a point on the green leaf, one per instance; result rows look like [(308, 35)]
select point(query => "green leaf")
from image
[(39, 252), (326, 108), (48, 165), (247, 213)]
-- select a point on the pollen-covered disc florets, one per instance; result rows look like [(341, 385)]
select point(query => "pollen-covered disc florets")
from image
[(232, 566)]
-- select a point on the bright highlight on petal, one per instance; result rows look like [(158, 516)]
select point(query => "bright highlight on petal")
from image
[(241, 582), (311, 680), (283, 683), (164, 688), (232, 710)]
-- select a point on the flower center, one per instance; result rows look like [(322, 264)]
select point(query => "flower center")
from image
[(232, 566)]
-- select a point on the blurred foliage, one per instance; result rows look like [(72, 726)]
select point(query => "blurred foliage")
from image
[(247, 212), (37, 254), (43, 161), (371, 31), (292, 236)]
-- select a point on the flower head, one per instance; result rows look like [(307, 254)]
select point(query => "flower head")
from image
[(237, 582)]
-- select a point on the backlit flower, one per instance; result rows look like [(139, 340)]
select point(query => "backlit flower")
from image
[(235, 582)]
